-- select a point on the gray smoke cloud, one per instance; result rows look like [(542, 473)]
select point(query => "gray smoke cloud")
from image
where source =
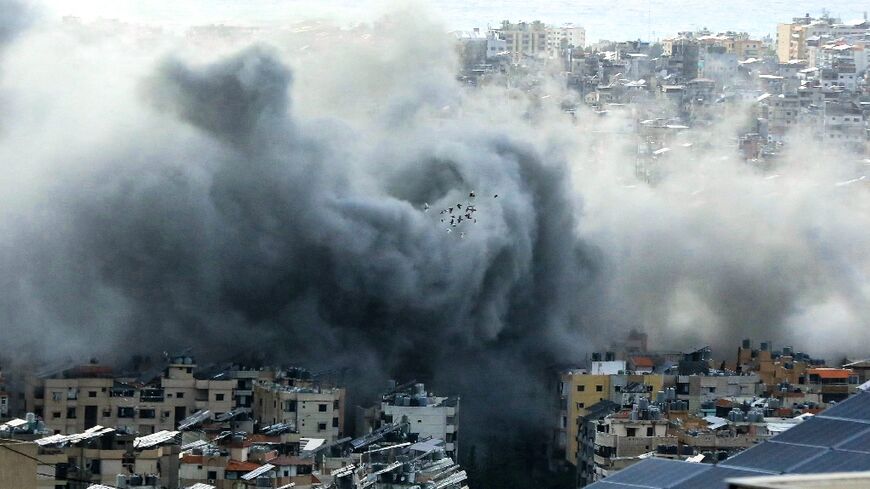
[(267, 195)]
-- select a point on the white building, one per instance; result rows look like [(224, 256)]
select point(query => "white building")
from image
[(568, 35), (429, 416)]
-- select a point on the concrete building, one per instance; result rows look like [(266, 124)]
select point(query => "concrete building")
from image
[(793, 39), (567, 36), (429, 416), (623, 438), (587, 428), (18, 465), (831, 442), (524, 40), (4, 397), (603, 381), (91, 395), (310, 410)]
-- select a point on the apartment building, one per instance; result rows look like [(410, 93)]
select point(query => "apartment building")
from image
[(622, 438), (91, 395), (308, 409), (607, 380), (429, 416), (524, 40)]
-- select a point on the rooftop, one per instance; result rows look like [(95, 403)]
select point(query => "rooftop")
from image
[(837, 440)]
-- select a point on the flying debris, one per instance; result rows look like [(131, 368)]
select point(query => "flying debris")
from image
[(449, 230), (459, 206), (461, 235), (426, 206), (471, 194), (495, 196)]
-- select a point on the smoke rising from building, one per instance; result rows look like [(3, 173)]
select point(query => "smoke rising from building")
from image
[(269, 197)]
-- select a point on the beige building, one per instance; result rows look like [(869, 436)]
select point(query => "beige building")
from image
[(18, 467), (525, 40), (310, 410), (623, 437), (88, 396)]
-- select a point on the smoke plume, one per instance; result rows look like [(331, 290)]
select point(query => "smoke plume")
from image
[(267, 193)]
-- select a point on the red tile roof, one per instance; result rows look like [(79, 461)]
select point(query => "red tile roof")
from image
[(645, 362), (831, 373), (237, 466), (192, 459)]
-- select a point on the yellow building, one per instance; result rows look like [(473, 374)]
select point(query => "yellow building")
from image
[(581, 390)]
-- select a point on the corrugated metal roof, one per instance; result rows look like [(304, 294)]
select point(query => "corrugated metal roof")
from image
[(258, 472)]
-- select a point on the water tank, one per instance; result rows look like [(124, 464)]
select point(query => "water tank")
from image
[(671, 393), (391, 385), (420, 389), (660, 397), (151, 480), (121, 481), (643, 403), (422, 401), (135, 480), (188, 361)]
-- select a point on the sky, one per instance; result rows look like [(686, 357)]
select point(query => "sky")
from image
[(636, 18)]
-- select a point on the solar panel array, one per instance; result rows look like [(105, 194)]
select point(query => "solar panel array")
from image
[(837, 440)]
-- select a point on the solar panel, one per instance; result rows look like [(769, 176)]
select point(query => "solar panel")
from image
[(835, 461), (609, 485), (713, 478), (657, 473), (821, 432), (773, 457), (856, 408), (860, 443)]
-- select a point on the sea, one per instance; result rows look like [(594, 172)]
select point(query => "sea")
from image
[(611, 20)]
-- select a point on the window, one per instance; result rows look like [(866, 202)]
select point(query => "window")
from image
[(211, 475), (335, 422), (125, 412), (581, 388), (55, 415), (180, 395), (56, 396), (218, 397), (599, 388), (321, 426), (631, 431), (71, 413), (289, 406), (107, 413), (650, 431), (335, 405), (92, 393), (581, 405), (321, 408), (147, 414)]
